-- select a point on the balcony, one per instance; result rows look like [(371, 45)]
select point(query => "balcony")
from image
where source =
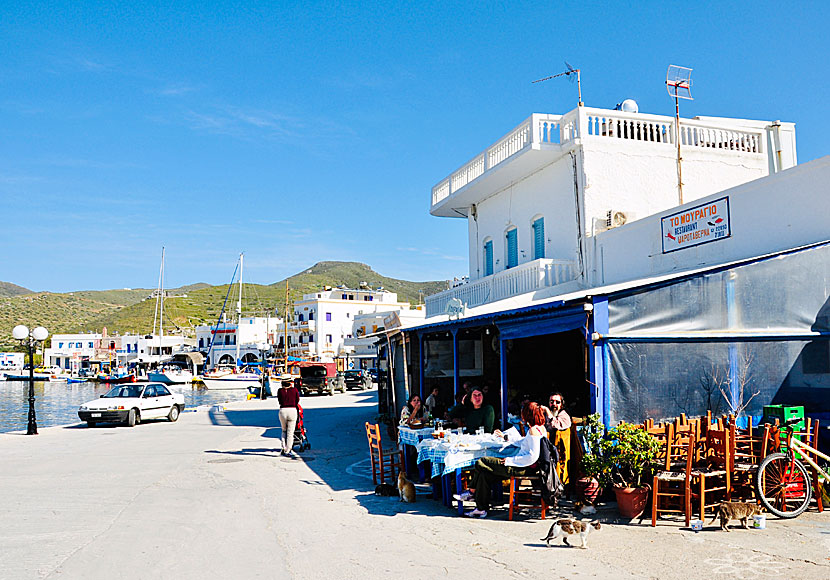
[(541, 137), (528, 277)]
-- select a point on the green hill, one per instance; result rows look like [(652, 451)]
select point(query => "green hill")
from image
[(9, 289), (132, 310)]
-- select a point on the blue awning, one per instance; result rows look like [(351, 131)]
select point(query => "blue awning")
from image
[(548, 323)]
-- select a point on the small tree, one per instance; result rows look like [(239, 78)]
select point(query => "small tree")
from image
[(723, 378)]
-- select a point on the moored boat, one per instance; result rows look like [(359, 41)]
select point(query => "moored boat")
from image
[(230, 381), (170, 375)]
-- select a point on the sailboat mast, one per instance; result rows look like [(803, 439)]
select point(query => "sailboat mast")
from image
[(161, 299), (285, 327), (239, 308)]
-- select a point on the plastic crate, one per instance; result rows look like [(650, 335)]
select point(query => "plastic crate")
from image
[(784, 413)]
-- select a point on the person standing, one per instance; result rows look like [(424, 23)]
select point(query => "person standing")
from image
[(289, 397), (558, 424)]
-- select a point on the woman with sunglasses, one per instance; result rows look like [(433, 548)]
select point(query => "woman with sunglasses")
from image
[(558, 424)]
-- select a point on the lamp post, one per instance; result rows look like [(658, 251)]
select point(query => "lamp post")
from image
[(30, 339)]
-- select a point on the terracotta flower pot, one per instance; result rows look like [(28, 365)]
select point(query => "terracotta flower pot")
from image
[(588, 489), (631, 501)]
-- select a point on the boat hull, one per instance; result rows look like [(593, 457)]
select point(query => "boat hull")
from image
[(234, 382), (25, 377), (170, 378)]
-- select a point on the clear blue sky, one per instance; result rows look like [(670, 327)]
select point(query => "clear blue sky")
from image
[(303, 131)]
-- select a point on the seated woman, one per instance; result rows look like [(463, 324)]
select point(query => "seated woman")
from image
[(558, 423), (479, 415), (489, 470), (413, 412)]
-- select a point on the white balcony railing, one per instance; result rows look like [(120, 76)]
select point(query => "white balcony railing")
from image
[(524, 278), (540, 130)]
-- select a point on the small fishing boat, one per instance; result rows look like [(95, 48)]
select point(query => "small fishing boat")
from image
[(231, 381), (115, 378), (171, 375), (71, 380)]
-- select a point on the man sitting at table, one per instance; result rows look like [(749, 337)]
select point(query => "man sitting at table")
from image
[(479, 415), (489, 470)]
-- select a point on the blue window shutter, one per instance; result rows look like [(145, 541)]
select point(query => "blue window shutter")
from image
[(512, 248), (488, 258), (539, 239)]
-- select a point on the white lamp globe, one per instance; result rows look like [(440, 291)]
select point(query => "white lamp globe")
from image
[(40, 333), (20, 332)]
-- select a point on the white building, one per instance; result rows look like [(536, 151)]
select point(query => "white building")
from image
[(588, 276), (229, 343), (73, 352), (149, 349), (323, 320), (11, 362), (360, 349), (535, 199)]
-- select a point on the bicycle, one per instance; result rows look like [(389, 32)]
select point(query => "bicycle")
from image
[(782, 483)]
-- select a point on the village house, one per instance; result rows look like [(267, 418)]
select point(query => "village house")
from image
[(636, 283)]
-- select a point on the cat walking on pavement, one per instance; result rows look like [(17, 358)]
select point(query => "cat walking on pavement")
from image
[(569, 527)]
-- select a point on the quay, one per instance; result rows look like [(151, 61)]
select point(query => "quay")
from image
[(210, 497)]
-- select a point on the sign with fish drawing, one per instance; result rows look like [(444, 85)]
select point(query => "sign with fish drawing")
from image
[(697, 225)]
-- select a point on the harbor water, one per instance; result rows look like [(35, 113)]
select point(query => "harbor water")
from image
[(56, 403)]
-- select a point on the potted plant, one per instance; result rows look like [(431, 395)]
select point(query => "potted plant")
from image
[(594, 464), (630, 456)]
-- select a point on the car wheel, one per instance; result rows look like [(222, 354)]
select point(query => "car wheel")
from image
[(173, 414), (90, 424), (132, 418)]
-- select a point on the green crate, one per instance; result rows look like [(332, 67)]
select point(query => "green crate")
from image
[(785, 413)]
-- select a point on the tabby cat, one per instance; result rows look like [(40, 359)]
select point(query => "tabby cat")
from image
[(735, 510)]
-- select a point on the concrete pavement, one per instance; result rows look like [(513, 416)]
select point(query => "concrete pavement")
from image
[(210, 497)]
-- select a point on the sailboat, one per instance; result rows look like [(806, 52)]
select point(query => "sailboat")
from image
[(165, 373), (224, 378)]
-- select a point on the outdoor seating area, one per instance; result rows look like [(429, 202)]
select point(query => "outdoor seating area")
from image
[(682, 468)]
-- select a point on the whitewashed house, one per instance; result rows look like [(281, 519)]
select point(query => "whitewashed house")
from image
[(232, 343), (588, 276)]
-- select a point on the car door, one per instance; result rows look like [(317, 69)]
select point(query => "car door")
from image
[(165, 400), (149, 403)]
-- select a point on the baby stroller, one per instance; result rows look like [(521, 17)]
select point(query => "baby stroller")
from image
[(301, 442)]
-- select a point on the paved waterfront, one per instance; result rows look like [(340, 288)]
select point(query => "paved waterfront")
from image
[(210, 497)]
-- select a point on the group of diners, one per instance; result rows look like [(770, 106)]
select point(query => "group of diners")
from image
[(537, 422)]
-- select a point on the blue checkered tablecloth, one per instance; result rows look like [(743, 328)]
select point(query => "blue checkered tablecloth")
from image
[(463, 452), (407, 436)]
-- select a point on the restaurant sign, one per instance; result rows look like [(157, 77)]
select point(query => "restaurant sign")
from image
[(697, 225)]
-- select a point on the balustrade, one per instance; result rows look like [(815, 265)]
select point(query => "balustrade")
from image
[(524, 278)]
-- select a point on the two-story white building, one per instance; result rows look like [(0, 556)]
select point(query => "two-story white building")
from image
[(323, 320), (72, 352), (359, 350), (593, 271)]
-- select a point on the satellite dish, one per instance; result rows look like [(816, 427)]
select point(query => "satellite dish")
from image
[(629, 106)]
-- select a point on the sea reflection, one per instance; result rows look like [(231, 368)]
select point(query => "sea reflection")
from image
[(56, 403)]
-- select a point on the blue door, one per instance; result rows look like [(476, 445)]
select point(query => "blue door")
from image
[(539, 238), (488, 258), (512, 248)]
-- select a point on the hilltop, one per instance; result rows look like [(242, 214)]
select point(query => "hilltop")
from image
[(9, 289), (132, 310)]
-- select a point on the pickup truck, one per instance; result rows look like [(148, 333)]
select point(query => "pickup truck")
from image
[(320, 378)]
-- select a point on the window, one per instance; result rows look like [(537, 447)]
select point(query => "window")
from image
[(539, 238), (348, 315), (311, 315), (201, 344), (344, 297), (60, 345), (301, 317), (351, 296), (488, 258), (368, 298), (512, 248), (328, 316), (328, 339)]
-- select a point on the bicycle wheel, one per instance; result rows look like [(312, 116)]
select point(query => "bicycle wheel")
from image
[(783, 485)]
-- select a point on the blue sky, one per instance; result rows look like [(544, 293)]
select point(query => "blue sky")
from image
[(300, 132)]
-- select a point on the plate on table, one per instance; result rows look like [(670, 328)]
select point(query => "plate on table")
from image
[(416, 425)]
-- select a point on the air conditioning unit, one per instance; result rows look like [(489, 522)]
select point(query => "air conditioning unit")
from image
[(613, 219)]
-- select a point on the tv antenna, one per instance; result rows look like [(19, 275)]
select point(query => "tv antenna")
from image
[(679, 85), (568, 73)]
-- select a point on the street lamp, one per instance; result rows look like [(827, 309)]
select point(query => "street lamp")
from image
[(30, 339)]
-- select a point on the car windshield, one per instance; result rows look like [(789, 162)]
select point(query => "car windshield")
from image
[(124, 391), (313, 372), (352, 373)]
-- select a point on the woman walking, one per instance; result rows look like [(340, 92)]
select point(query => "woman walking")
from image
[(289, 397)]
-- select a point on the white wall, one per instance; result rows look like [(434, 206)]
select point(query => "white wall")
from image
[(781, 211), (548, 193)]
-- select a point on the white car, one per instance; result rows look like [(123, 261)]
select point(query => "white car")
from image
[(132, 403)]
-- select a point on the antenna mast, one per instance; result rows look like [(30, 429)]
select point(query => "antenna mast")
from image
[(679, 85), (571, 71)]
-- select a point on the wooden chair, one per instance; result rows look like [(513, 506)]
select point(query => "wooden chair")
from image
[(711, 483), (748, 449), (662, 434), (382, 461), (524, 494), (810, 437), (671, 489)]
